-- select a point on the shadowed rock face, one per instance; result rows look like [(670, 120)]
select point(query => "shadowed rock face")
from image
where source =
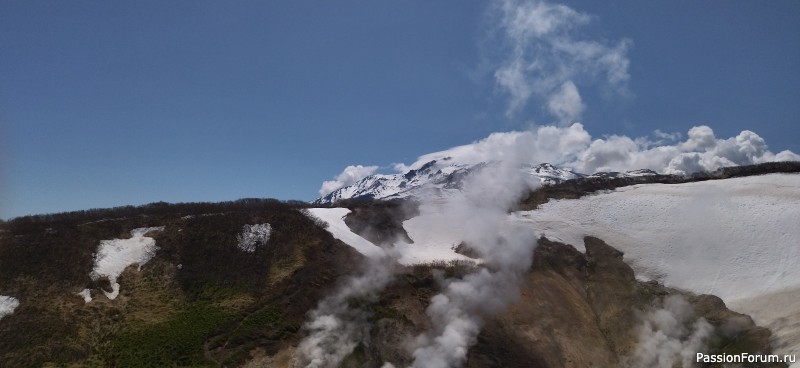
[(576, 310), (381, 222), (582, 310)]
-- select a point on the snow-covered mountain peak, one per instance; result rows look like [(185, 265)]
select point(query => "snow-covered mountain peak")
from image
[(433, 177), (549, 174), (437, 177)]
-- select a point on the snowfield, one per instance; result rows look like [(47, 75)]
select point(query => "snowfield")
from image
[(113, 256), (736, 238), (7, 305), (733, 238)]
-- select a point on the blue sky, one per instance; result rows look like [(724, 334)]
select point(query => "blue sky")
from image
[(107, 104)]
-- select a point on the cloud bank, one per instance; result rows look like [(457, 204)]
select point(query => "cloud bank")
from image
[(545, 58), (573, 147)]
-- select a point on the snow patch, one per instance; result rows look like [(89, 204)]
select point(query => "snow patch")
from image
[(7, 305), (252, 236), (86, 294), (113, 256)]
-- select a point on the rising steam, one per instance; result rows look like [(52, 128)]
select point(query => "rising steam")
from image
[(339, 323), (457, 313), (667, 337)]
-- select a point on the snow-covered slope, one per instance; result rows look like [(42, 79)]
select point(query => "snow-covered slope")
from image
[(334, 217), (438, 178), (432, 239), (734, 238)]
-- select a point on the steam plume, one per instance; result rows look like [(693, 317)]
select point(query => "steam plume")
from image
[(456, 314), (339, 324), (667, 338)]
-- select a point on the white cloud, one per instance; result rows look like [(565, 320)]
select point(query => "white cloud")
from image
[(700, 137), (787, 155), (546, 60), (350, 175), (544, 144), (400, 167), (566, 103), (666, 137), (525, 20), (574, 148), (710, 153), (512, 78)]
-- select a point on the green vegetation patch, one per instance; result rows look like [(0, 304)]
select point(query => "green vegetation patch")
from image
[(255, 323), (260, 328), (176, 342)]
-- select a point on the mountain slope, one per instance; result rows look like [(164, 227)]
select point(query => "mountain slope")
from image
[(204, 299), (200, 301)]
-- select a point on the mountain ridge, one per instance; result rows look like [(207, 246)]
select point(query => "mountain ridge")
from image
[(437, 177)]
